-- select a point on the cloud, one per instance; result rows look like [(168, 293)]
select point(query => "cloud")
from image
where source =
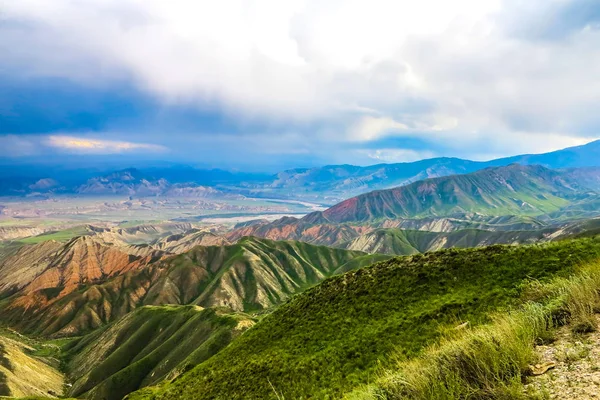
[(370, 128), (16, 146), (97, 146), (398, 155), (474, 77)]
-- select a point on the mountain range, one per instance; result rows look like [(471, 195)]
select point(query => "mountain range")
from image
[(326, 184), (307, 307), (58, 289), (512, 198), (512, 190)]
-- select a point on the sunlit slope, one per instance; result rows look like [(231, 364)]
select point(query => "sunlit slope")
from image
[(401, 242), (331, 338), (252, 274), (24, 374)]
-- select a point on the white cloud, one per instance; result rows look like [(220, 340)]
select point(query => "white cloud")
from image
[(398, 155), (370, 128), (98, 146), (464, 74)]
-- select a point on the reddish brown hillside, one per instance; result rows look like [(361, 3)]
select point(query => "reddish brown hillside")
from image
[(60, 269), (302, 230)]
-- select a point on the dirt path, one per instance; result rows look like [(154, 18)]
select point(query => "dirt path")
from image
[(576, 375)]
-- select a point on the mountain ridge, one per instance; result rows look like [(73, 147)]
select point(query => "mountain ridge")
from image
[(514, 189), (329, 183), (252, 274)]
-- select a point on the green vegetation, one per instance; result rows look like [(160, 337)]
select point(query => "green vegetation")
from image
[(511, 190), (146, 346), (334, 337), (490, 362), (60, 236), (408, 242)]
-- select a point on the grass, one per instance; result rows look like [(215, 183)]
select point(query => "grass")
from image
[(60, 236), (491, 361), (337, 336)]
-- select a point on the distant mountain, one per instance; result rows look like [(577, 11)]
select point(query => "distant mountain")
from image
[(340, 181), (132, 182), (400, 242), (511, 190), (316, 229), (305, 230), (453, 233), (328, 184), (175, 180), (512, 198), (586, 155), (343, 181), (183, 242)]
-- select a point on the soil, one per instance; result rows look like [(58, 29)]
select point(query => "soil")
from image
[(576, 374)]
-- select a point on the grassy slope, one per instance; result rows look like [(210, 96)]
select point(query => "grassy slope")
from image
[(26, 368), (147, 346), (408, 242), (494, 361), (60, 236), (333, 337)]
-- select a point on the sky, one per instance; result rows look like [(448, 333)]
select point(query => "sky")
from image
[(271, 84)]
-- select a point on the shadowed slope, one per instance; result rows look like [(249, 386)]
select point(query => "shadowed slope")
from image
[(146, 346)]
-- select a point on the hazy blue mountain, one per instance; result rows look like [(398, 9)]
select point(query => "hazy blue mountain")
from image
[(343, 181), (328, 184)]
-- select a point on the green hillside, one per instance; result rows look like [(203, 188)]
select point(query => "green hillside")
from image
[(408, 242), (147, 346), (511, 190), (254, 274), (335, 336), (60, 236)]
